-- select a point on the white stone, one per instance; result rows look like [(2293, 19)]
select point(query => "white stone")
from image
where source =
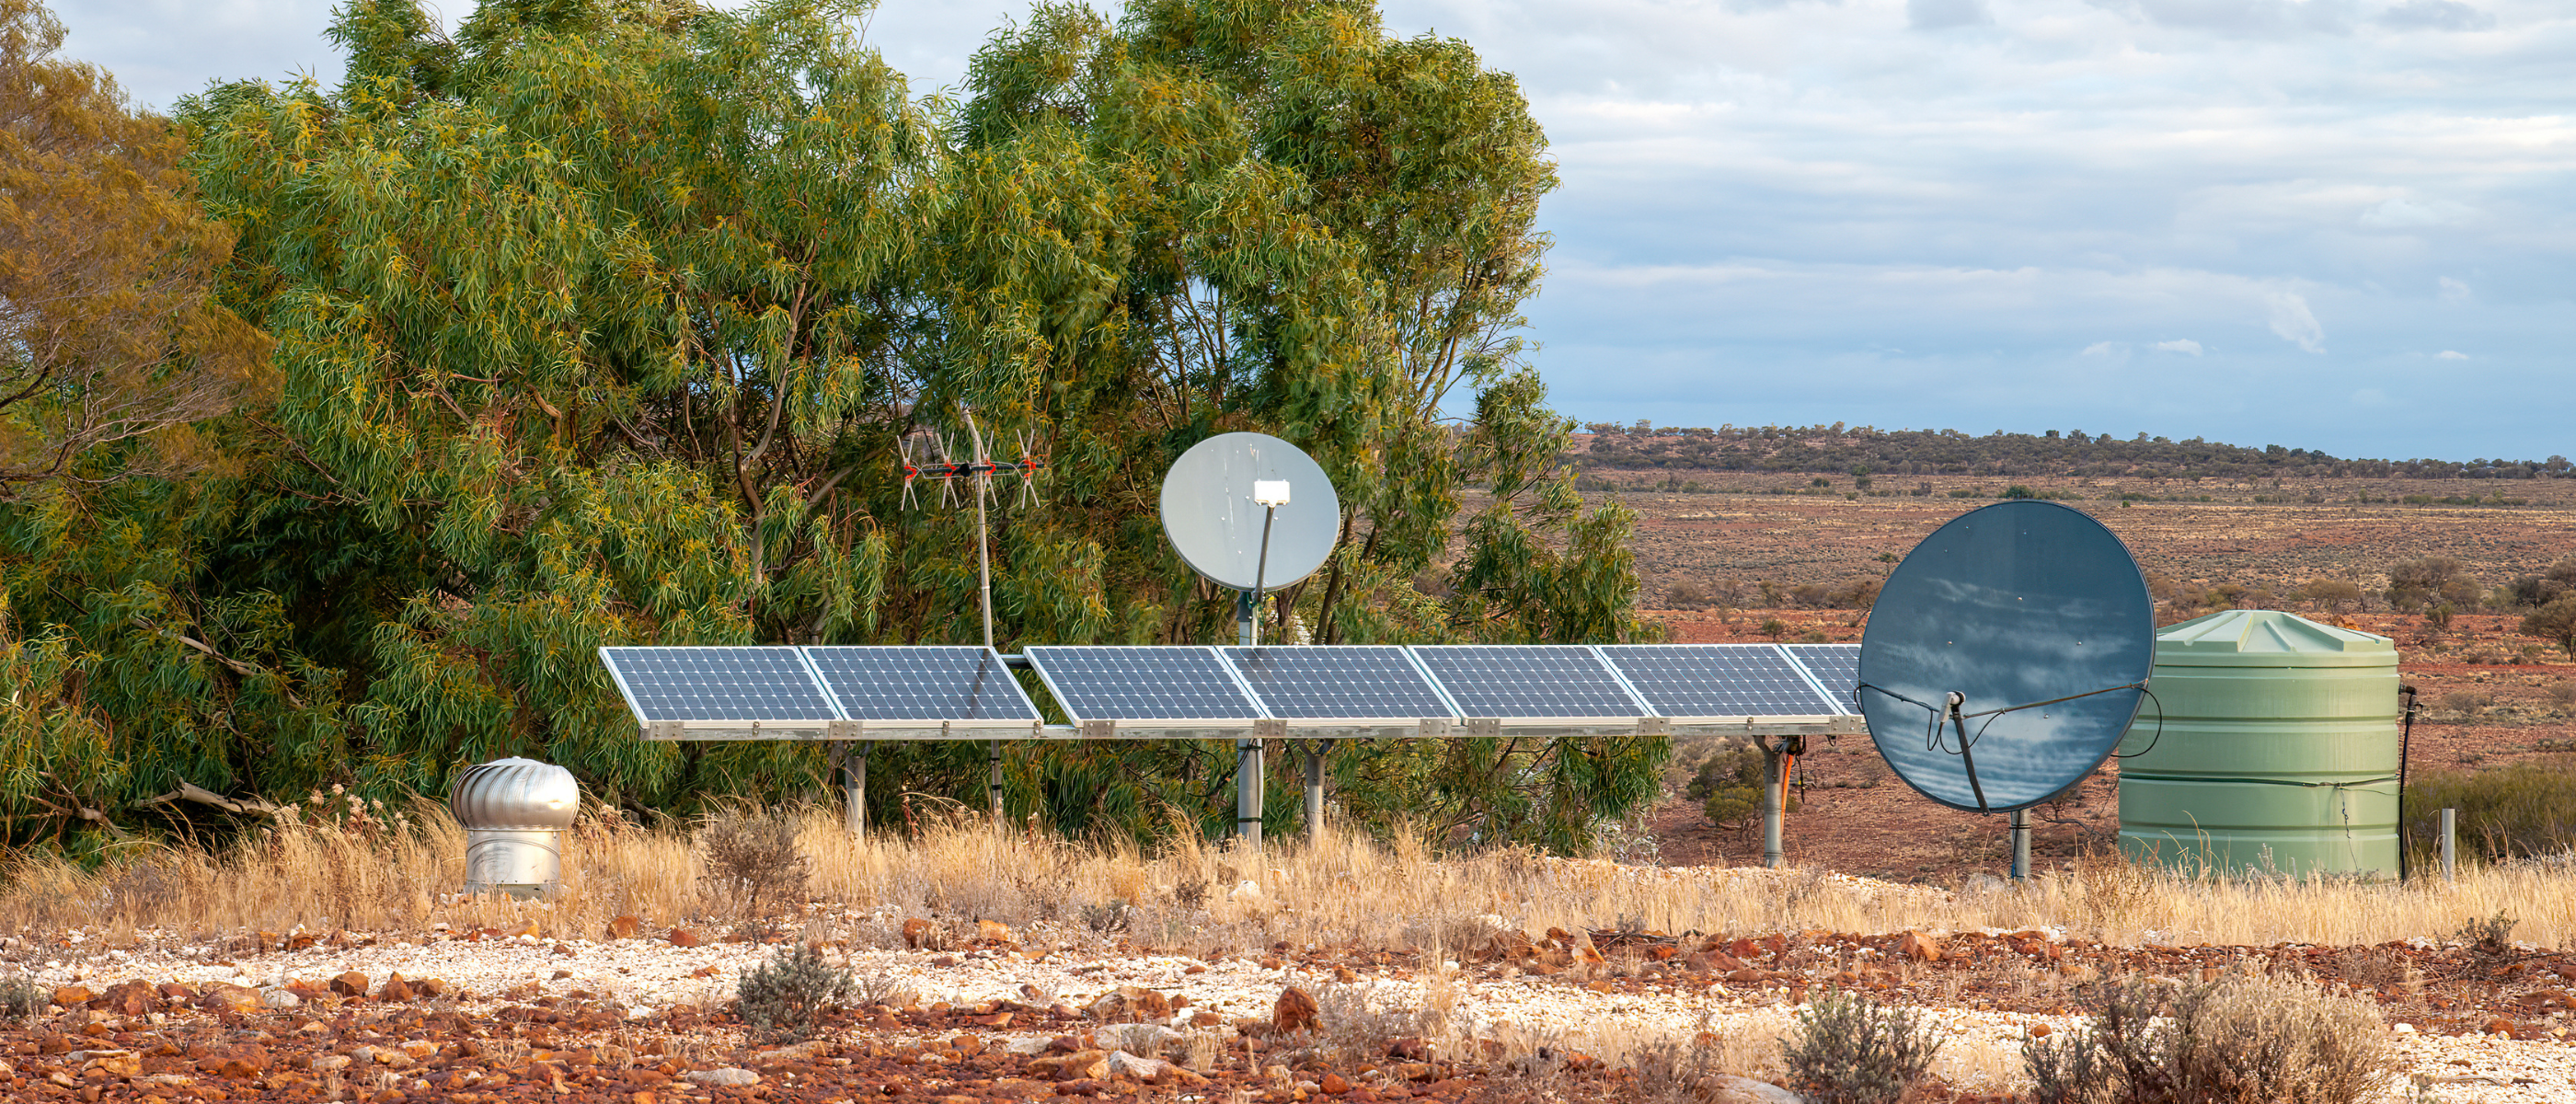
[(1123, 1064), (279, 998), (724, 1077)]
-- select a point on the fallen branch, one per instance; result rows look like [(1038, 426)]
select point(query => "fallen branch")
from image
[(190, 791)]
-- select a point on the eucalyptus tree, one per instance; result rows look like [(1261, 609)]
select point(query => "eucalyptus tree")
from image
[(605, 322)]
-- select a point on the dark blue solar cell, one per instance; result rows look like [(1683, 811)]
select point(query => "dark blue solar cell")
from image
[(1836, 667), (1339, 681), (1717, 680), (1529, 681), (717, 684), (2009, 606), (1185, 683), (922, 683)]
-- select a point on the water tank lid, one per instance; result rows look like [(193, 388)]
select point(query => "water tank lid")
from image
[(2268, 638)]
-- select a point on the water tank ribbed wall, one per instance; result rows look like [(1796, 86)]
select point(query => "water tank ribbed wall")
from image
[(2278, 751)]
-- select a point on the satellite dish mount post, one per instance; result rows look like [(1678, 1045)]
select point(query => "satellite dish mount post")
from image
[(2021, 845), (1249, 774)]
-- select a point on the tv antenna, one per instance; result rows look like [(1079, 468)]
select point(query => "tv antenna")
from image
[(2005, 658), (978, 472)]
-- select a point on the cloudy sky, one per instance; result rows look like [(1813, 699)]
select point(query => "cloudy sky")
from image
[(2337, 224)]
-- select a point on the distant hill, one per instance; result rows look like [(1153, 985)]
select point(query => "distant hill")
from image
[(1643, 447)]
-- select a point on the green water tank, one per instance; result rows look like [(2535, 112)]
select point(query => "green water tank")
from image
[(2278, 751)]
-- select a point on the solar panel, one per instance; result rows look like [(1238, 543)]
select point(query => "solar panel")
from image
[(1529, 680), (717, 684), (1143, 683), (1717, 680), (921, 683), (1339, 681), (1836, 667)]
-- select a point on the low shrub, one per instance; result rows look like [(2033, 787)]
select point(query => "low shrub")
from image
[(2517, 811), (2242, 1037), (785, 997), (753, 855), (20, 997), (1849, 1049)]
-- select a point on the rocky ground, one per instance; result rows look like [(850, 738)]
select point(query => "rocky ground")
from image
[(958, 1013)]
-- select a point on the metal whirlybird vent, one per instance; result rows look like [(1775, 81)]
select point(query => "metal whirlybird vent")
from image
[(514, 812)]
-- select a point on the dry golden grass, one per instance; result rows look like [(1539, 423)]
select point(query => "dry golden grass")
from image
[(401, 873)]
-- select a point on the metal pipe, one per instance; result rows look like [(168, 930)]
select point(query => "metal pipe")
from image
[(854, 788), (1247, 793), (993, 787), (1774, 803), (1261, 573), (2021, 845), (2450, 843), (1315, 750)]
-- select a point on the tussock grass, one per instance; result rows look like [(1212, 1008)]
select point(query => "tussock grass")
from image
[(402, 873)]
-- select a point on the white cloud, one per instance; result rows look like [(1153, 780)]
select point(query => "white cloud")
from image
[(2104, 349), (2407, 214), (2293, 321), (2371, 396), (2454, 291), (1936, 15), (2184, 345), (2450, 354), (2437, 15)]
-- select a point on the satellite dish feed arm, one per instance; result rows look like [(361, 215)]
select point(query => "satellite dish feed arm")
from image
[(1950, 715)]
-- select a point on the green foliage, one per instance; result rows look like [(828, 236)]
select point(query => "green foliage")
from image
[(786, 996), (1728, 785), (602, 322), (2555, 621), (1849, 1049), (2515, 811)]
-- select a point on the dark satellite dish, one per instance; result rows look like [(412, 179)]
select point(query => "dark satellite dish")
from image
[(2006, 656), (1221, 496)]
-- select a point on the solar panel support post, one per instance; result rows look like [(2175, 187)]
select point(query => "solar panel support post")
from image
[(993, 787), (1247, 793), (1775, 792), (854, 788), (2021, 845), (1315, 750)]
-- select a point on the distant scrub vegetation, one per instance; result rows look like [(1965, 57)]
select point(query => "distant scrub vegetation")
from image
[(1864, 451)]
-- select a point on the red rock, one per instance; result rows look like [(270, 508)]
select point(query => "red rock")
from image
[(351, 984), (395, 990), (918, 933), (625, 927), (2499, 1026), (685, 937), (1295, 1011), (224, 997), (1333, 1085), (1919, 947), (236, 1062), (73, 996)]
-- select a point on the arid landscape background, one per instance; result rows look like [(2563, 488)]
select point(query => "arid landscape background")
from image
[(1736, 550)]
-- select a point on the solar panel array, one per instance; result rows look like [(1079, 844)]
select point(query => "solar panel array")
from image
[(921, 684), (1313, 682), (750, 684), (1387, 685), (1531, 680), (1836, 668), (1712, 680), (1143, 683)]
